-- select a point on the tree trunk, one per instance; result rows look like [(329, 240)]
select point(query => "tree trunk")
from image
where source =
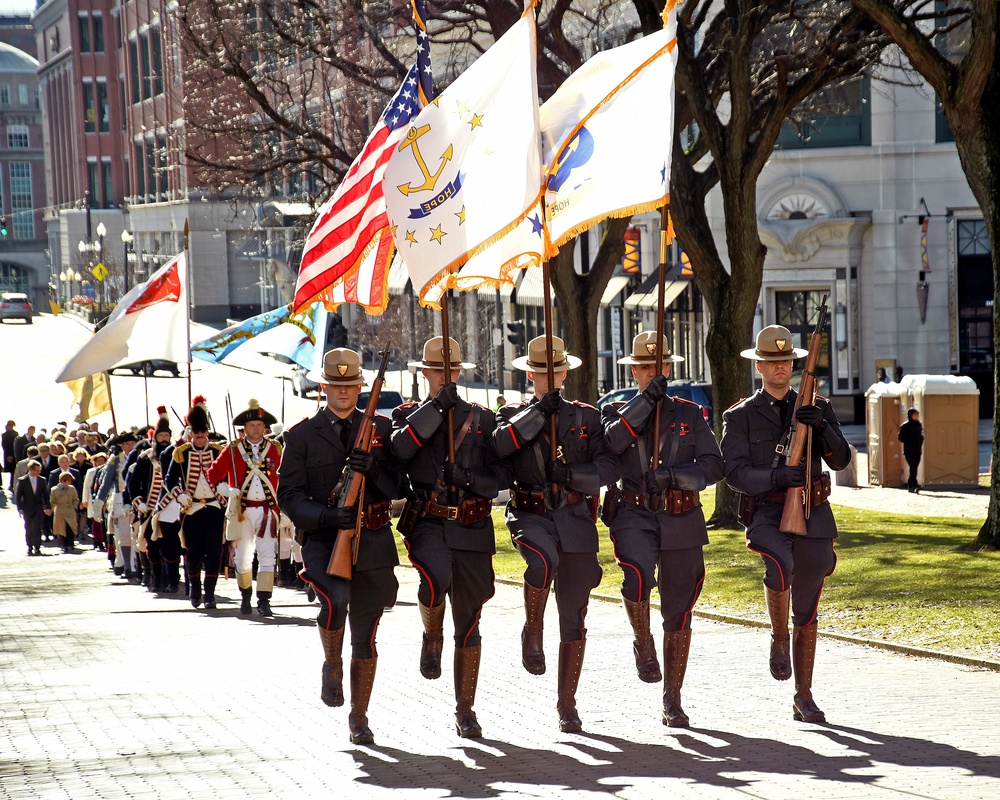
[(578, 299)]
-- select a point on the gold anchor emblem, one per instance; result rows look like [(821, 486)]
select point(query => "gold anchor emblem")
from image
[(412, 135)]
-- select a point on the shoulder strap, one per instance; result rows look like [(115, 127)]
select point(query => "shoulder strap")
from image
[(472, 420)]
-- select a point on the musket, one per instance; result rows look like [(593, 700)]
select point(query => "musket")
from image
[(796, 510), (352, 487)]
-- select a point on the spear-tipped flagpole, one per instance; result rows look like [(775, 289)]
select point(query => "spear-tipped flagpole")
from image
[(665, 237), (187, 283)]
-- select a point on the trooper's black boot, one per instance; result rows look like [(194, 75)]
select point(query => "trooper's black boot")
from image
[(195, 592)]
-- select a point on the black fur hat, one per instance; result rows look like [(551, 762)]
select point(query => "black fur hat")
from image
[(197, 416)]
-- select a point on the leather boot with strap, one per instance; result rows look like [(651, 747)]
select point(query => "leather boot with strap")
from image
[(433, 641), (362, 680), (777, 608), (676, 646), (332, 692), (804, 708), (466, 679), (570, 665), (532, 653), (646, 665)]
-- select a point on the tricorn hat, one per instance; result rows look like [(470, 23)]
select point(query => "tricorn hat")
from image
[(121, 438), (341, 367), (434, 355), (537, 360), (197, 416), (254, 412), (644, 350), (774, 343), (163, 423)]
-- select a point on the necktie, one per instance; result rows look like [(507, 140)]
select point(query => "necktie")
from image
[(345, 432)]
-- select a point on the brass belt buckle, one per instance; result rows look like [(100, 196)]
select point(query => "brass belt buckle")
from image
[(452, 513)]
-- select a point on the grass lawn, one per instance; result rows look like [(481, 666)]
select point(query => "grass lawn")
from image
[(899, 578)]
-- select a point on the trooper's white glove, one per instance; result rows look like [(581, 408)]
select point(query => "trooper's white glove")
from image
[(228, 491)]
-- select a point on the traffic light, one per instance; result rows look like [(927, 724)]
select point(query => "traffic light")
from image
[(515, 333), (3, 227)]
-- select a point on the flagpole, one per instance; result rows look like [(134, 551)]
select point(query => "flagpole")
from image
[(187, 311), (145, 388), (550, 372), (111, 401), (660, 310)]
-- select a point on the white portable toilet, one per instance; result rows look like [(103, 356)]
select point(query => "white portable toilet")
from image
[(949, 412), (884, 413)]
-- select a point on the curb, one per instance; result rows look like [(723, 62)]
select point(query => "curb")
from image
[(878, 644)]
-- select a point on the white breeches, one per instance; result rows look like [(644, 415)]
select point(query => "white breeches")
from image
[(250, 543)]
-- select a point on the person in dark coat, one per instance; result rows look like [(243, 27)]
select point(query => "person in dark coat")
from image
[(32, 495), (911, 434), (555, 531), (656, 522), (795, 566), (316, 454), (446, 524), (7, 439)]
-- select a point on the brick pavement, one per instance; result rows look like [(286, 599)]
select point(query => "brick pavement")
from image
[(110, 692)]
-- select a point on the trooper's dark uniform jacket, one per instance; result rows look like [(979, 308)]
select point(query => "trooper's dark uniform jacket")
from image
[(687, 447), (312, 464), (419, 440), (753, 429)]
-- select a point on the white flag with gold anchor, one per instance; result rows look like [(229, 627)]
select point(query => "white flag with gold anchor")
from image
[(607, 134), (466, 178)]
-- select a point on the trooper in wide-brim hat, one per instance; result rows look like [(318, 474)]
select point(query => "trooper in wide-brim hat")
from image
[(539, 357), (433, 357), (254, 413), (341, 367), (774, 343), (644, 350)]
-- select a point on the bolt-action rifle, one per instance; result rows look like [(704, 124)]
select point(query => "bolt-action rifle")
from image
[(797, 499), (351, 490)]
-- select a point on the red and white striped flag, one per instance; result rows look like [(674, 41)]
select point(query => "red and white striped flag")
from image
[(352, 229)]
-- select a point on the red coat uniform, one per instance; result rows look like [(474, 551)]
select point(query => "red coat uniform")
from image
[(231, 466)]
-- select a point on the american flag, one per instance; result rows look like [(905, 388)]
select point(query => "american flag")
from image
[(347, 254)]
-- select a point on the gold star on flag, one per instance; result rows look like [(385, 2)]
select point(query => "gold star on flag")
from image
[(476, 121), (410, 237), (461, 216), (437, 235), (461, 108)]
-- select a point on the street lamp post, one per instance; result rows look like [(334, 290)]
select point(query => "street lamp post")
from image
[(91, 250), (129, 254)]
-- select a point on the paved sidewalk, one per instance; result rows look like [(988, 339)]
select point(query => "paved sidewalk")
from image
[(110, 692)]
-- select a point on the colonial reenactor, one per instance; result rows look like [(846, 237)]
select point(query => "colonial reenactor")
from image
[(555, 531), (316, 452), (113, 486), (446, 523), (91, 485), (200, 506), (655, 517), (145, 483), (794, 565), (246, 471)]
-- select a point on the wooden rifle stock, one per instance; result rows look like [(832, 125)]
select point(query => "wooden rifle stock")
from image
[(794, 515), (352, 490)]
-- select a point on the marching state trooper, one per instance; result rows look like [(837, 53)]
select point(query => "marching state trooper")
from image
[(446, 523), (246, 471), (317, 451), (113, 486), (145, 482), (794, 565), (655, 519), (201, 511), (555, 533)]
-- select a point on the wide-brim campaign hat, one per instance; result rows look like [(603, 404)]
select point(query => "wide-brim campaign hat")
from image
[(774, 343), (254, 412), (538, 357), (434, 355), (644, 350), (341, 367)]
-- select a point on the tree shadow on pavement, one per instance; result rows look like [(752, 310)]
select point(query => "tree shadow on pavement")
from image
[(705, 757)]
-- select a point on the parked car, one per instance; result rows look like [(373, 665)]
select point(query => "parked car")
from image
[(301, 385), (699, 392), (149, 368), (387, 401), (15, 305)]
